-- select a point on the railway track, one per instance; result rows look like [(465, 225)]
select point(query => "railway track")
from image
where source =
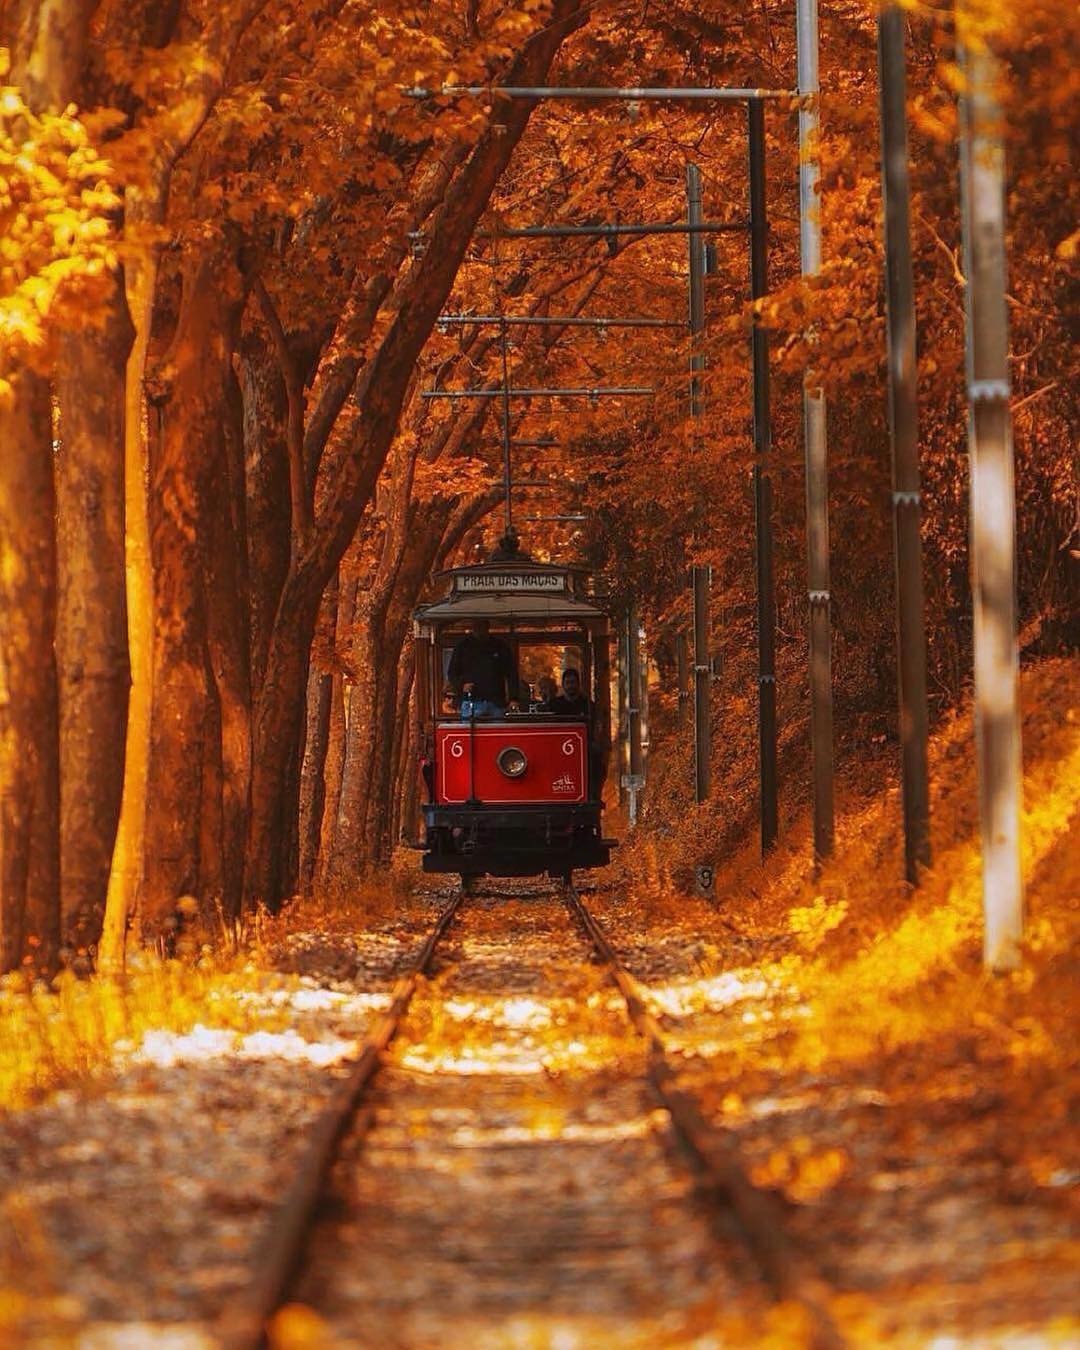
[(721, 1182), (243, 1326), (720, 1175)]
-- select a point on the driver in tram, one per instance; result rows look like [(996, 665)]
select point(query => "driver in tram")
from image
[(483, 673)]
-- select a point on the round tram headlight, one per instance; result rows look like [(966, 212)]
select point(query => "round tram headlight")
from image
[(512, 761)]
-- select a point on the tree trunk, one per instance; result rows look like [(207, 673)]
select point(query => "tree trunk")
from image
[(266, 467), (144, 205), (226, 584), (125, 873), (388, 830), (334, 769), (316, 744), (408, 826), (377, 842), (91, 638), (29, 713), (195, 779), (347, 856)]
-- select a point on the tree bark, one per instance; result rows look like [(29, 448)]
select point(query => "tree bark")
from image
[(126, 868), (334, 768), (316, 744), (228, 636), (408, 817), (266, 468), (346, 858), (91, 638), (387, 823), (199, 747), (29, 713)]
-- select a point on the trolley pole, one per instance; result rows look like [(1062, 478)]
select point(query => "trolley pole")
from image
[(766, 585), (634, 687), (993, 510), (817, 488), (508, 472), (702, 736), (904, 434)]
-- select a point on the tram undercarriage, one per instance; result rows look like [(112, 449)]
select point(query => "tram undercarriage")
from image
[(516, 842)]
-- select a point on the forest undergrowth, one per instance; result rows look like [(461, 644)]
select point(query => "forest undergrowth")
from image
[(78, 1031), (856, 982), (877, 952)]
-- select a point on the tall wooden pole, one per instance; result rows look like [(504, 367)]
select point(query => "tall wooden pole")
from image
[(993, 509), (702, 576), (766, 585), (904, 433), (816, 451), (634, 688), (702, 673), (623, 699)]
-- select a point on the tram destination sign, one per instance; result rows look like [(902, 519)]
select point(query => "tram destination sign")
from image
[(536, 583)]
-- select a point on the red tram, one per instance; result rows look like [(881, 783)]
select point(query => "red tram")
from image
[(515, 791)]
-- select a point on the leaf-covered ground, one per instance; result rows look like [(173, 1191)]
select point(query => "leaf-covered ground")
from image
[(918, 1117)]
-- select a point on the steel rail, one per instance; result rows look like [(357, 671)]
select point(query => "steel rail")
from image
[(277, 1259), (714, 1159)]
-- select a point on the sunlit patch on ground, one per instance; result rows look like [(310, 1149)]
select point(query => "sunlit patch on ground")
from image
[(520, 1013), (140, 1335), (684, 999), (314, 999), (166, 1049), (555, 1124)]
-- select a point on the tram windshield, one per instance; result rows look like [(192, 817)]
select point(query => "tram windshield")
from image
[(539, 659)]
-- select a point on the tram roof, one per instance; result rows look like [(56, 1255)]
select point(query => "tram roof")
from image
[(512, 590)]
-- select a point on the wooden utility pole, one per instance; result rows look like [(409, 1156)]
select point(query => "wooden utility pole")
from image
[(766, 585), (816, 451), (904, 434), (635, 695), (702, 674), (993, 508)]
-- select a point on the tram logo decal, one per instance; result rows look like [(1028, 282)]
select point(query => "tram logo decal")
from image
[(564, 783)]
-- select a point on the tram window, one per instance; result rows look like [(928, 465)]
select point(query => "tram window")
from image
[(536, 658), (539, 659)]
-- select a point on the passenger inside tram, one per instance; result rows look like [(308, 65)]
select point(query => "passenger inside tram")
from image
[(482, 673)]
